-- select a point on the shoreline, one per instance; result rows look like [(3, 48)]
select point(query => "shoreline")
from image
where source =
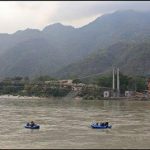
[(20, 97), (129, 98), (6, 96)]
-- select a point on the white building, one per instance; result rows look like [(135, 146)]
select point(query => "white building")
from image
[(106, 94), (128, 93)]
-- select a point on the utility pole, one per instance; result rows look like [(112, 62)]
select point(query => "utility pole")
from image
[(118, 83), (116, 91), (113, 83)]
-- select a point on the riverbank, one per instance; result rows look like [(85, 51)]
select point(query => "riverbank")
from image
[(77, 98), (20, 97), (119, 98), (128, 98)]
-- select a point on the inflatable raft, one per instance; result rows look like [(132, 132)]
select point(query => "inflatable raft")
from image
[(94, 125), (36, 126)]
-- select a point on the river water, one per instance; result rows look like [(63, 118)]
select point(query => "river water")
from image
[(65, 123)]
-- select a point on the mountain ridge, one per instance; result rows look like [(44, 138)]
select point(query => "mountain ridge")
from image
[(60, 45)]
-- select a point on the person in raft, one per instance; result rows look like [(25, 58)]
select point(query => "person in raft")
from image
[(32, 123), (28, 123), (104, 123)]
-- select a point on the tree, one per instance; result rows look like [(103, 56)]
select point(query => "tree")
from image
[(76, 81), (140, 83), (104, 81), (126, 82)]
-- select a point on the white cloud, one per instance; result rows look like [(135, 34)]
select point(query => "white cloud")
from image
[(37, 14), (20, 15)]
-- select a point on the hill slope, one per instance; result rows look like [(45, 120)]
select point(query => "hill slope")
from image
[(131, 58), (33, 52)]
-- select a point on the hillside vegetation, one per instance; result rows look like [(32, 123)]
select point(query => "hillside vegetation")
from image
[(121, 38)]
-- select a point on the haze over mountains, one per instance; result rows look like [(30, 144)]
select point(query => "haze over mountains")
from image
[(121, 38)]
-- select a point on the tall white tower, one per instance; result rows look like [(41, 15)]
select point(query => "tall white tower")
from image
[(118, 83), (113, 82), (116, 90)]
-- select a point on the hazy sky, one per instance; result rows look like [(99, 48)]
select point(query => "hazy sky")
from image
[(19, 15)]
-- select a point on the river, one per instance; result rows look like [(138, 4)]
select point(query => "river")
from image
[(65, 123)]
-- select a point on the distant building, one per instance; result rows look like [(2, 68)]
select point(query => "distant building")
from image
[(77, 87), (65, 81), (128, 93), (148, 85), (106, 94), (51, 81), (60, 82)]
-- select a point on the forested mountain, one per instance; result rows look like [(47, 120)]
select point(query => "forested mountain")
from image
[(131, 58), (121, 38)]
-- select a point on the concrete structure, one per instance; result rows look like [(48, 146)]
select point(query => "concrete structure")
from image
[(118, 83), (128, 93), (60, 82), (65, 81), (106, 94), (116, 90), (148, 85), (113, 84)]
